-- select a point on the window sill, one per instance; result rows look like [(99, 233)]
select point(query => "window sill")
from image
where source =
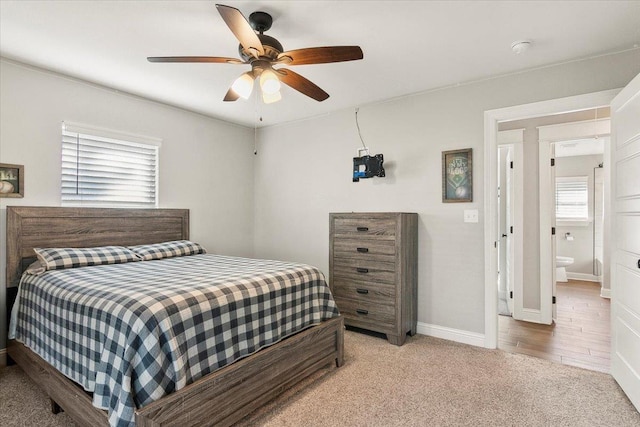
[(573, 223)]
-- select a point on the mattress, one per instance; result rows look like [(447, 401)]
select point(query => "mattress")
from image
[(132, 333)]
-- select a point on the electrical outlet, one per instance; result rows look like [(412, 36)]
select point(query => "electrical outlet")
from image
[(471, 215)]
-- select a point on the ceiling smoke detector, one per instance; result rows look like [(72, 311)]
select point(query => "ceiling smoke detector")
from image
[(520, 46)]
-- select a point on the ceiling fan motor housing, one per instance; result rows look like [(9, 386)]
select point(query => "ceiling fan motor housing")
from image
[(272, 48)]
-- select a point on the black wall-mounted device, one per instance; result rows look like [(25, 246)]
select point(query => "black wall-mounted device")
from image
[(368, 167)]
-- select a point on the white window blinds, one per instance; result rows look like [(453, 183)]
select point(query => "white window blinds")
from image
[(572, 198), (104, 168)]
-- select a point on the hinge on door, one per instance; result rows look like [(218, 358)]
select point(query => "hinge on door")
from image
[(511, 229), (511, 165), (553, 162), (553, 231), (495, 244), (511, 294), (553, 300)]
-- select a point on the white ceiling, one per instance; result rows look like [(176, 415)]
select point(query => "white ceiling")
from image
[(409, 46)]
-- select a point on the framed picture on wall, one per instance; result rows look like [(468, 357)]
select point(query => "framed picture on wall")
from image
[(457, 176), (11, 180)]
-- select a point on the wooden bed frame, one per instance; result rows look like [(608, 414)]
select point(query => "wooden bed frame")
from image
[(220, 398)]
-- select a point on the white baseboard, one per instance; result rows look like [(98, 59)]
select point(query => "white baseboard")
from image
[(584, 276), (605, 293), (3, 357), (457, 335)]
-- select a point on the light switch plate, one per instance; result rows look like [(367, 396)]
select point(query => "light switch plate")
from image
[(471, 215)]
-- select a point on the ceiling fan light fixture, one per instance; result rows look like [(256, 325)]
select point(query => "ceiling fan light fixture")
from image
[(243, 85), (269, 82), (270, 98)]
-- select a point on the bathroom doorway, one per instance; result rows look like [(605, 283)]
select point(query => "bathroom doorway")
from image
[(579, 190), (575, 212)]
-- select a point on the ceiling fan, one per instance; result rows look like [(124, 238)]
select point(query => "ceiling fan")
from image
[(263, 52)]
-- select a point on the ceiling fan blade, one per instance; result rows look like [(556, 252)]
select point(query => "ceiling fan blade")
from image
[(213, 59), (321, 55), (301, 84), (231, 96), (241, 28)]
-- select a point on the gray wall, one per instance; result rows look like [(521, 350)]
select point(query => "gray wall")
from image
[(303, 172), (199, 157)]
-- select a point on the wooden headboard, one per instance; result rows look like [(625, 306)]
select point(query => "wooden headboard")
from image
[(47, 227)]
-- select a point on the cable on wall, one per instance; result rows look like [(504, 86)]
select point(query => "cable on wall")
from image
[(360, 133)]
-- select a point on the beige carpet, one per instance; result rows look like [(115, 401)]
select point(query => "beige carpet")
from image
[(426, 382)]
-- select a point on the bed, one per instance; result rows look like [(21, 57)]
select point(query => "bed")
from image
[(221, 397)]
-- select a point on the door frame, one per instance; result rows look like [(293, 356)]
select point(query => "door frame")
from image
[(491, 119), (548, 135)]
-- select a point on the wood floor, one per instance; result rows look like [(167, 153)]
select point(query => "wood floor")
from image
[(580, 337)]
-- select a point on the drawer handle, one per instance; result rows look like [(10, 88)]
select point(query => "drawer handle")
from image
[(362, 291), (363, 250), (360, 311), (362, 270), (363, 228)]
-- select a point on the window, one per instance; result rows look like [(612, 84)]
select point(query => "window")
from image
[(572, 198), (104, 168)]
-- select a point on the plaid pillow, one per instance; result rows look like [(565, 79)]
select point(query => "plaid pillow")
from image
[(167, 250), (59, 258)]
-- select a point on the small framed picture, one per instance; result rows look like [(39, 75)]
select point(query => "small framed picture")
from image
[(457, 176), (11, 180)]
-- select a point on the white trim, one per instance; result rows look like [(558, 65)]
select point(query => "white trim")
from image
[(605, 293), (457, 335), (575, 130), (584, 277), (491, 119), (111, 134), (3, 357)]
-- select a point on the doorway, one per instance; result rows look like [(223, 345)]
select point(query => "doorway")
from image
[(578, 334), (492, 118)]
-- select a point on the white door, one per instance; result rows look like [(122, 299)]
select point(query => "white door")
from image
[(510, 215), (508, 230), (554, 306), (625, 240)]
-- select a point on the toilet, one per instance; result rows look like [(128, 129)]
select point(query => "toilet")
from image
[(561, 263)]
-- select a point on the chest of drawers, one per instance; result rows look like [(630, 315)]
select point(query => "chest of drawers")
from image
[(374, 272)]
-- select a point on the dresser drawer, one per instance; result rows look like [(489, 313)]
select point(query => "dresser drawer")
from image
[(366, 271), (364, 249), (365, 314), (380, 228), (364, 291)]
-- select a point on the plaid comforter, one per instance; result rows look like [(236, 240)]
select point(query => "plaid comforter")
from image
[(132, 333)]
